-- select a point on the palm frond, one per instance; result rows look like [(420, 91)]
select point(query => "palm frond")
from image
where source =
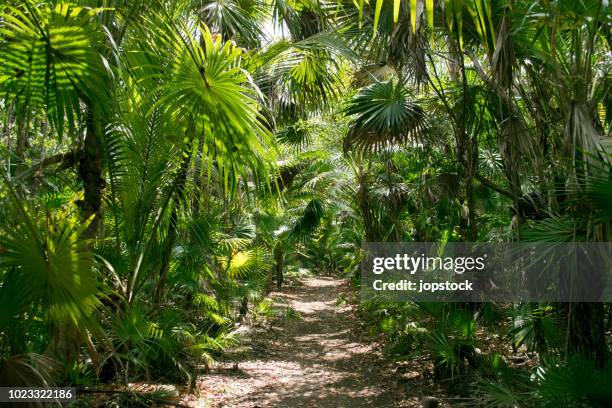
[(49, 266), (249, 262), (50, 60), (294, 136), (577, 382), (27, 370), (384, 114), (234, 19), (310, 220)]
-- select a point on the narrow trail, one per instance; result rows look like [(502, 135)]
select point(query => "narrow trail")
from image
[(320, 359)]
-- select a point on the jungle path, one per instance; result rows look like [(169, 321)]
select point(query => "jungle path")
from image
[(318, 357)]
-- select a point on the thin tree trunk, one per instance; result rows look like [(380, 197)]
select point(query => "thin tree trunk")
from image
[(22, 133), (244, 306), (364, 205), (472, 161), (279, 257), (67, 340)]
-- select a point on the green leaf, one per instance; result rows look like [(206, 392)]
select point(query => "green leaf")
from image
[(429, 9), (379, 4), (458, 15), (384, 113), (58, 275), (448, 13), (51, 61), (361, 12)]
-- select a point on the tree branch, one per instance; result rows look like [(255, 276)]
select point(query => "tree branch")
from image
[(504, 96), (488, 183), (66, 160)]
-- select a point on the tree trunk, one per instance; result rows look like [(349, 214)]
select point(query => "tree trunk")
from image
[(21, 146), (279, 257), (472, 163), (244, 306), (90, 171), (586, 332), (364, 206)]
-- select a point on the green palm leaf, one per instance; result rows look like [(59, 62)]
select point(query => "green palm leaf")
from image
[(49, 267), (50, 62), (236, 19), (202, 87), (384, 115)]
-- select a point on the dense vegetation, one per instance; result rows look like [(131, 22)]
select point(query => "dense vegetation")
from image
[(164, 163)]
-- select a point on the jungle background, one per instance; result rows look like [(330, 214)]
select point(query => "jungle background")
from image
[(167, 164)]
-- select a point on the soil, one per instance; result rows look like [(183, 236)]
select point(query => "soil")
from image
[(315, 354)]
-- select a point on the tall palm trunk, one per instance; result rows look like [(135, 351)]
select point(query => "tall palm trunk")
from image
[(90, 169)]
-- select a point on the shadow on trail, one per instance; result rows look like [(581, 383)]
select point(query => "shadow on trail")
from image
[(317, 360)]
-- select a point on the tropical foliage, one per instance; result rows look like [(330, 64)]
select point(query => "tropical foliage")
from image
[(164, 163)]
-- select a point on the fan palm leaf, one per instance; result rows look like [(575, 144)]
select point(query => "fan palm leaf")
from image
[(236, 19), (205, 90), (50, 267), (50, 62), (384, 115)]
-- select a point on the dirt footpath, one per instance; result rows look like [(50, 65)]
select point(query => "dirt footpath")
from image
[(316, 356)]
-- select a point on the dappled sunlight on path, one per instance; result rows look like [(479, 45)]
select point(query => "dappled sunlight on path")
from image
[(317, 360)]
